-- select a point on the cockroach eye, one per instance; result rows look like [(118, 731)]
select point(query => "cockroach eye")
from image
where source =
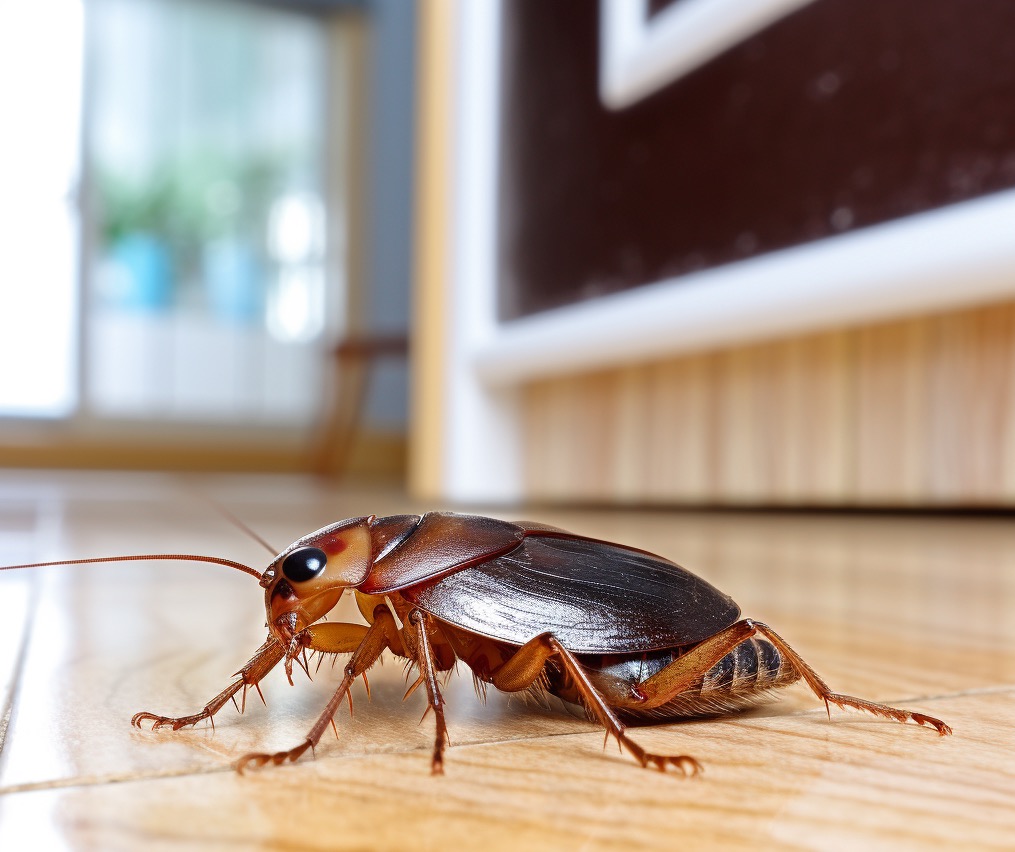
[(304, 564)]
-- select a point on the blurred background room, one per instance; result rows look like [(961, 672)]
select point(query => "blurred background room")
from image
[(685, 253)]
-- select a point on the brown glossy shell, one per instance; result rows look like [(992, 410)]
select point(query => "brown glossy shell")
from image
[(594, 596)]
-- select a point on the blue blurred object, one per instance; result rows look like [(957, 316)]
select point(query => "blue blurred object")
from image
[(233, 280), (144, 268)]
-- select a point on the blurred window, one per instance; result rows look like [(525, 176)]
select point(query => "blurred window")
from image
[(40, 98), (206, 139)]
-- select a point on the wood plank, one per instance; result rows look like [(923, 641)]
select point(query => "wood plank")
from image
[(799, 781)]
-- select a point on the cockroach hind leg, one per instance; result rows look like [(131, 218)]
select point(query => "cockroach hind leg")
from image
[(820, 688), (886, 712)]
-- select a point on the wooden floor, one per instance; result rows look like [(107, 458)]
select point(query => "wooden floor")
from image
[(917, 611)]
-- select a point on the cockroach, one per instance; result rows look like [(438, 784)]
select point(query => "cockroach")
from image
[(630, 636)]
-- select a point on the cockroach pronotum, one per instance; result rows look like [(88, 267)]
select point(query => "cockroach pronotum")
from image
[(630, 636)]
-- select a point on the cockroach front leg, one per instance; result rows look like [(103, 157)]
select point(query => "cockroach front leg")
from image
[(264, 660), (366, 645)]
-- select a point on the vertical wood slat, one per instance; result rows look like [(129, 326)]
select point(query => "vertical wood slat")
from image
[(432, 260), (913, 412), (680, 422)]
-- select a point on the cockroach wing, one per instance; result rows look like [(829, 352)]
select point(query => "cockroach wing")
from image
[(441, 542), (595, 597)]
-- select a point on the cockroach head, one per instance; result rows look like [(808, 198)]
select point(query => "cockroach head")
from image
[(307, 579)]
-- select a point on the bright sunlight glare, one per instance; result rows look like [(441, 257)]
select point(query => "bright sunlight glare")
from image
[(40, 99)]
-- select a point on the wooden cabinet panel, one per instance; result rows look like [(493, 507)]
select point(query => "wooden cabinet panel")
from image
[(914, 412)]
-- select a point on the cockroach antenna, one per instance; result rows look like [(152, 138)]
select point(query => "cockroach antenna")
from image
[(235, 521), (143, 557)]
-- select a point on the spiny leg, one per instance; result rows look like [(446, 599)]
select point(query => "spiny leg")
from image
[(264, 660), (366, 645), (684, 672), (820, 688), (427, 671), (526, 667)]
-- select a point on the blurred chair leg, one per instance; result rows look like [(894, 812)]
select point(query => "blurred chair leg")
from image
[(354, 360)]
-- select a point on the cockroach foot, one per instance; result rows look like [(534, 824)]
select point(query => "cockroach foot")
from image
[(257, 760), (685, 763), (939, 726), (167, 722)]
